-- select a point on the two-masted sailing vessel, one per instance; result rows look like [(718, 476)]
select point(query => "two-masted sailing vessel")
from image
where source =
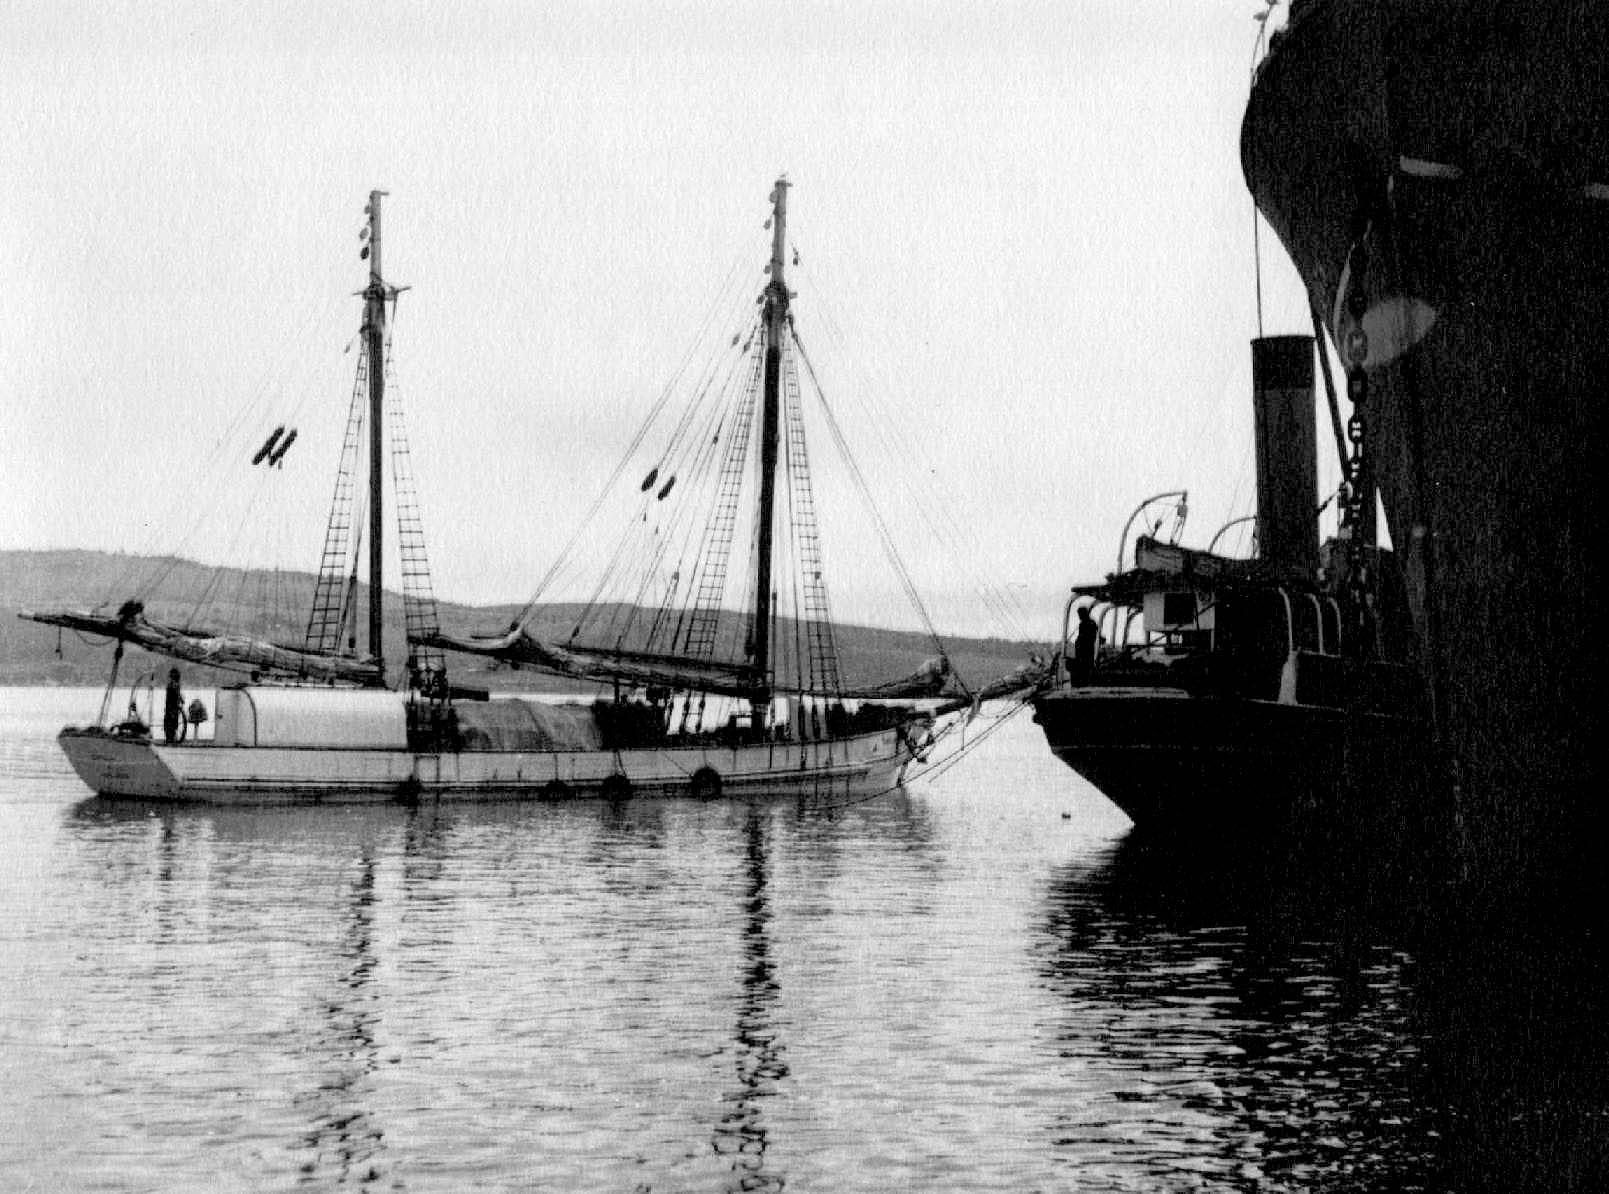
[(700, 699)]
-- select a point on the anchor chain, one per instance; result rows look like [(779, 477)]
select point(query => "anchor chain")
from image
[(1355, 492)]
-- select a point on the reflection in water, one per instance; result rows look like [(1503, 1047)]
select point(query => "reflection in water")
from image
[(1517, 1063), (741, 1133), (1249, 1028), (980, 996), (344, 1139), (220, 890)]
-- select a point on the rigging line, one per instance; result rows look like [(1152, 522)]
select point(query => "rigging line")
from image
[(586, 520), (623, 613), (709, 376), (937, 518), (804, 669), (751, 613), (673, 459), (219, 456), (883, 532), (946, 530), (626, 457), (966, 748), (1256, 241), (646, 525), (664, 622), (855, 472), (724, 416), (664, 532), (692, 457), (819, 629), (721, 363), (625, 544), (302, 350), (1242, 472), (213, 575), (222, 455), (877, 517), (941, 766), (790, 542), (703, 536), (713, 552), (695, 501)]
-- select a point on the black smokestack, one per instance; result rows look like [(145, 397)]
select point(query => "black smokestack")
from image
[(1287, 455)]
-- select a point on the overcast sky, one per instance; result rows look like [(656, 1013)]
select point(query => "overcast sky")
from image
[(1028, 219)]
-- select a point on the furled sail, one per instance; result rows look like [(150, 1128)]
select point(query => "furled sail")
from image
[(231, 651), (603, 665), (1026, 678), (929, 680)]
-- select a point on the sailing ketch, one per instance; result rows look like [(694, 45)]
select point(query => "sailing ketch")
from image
[(317, 722)]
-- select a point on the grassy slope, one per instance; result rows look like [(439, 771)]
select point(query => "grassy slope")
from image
[(50, 579)]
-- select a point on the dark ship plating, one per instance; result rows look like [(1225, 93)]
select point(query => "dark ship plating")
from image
[(1439, 172)]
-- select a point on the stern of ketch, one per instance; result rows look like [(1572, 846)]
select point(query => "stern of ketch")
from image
[(115, 764)]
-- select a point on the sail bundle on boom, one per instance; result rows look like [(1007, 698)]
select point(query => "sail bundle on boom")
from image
[(232, 652)]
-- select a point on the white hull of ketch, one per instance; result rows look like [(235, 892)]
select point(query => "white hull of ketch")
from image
[(138, 767)]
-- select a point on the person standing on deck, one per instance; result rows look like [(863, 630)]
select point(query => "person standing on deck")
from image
[(1084, 647), (173, 708)]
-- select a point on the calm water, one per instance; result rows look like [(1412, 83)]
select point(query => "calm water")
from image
[(978, 984)]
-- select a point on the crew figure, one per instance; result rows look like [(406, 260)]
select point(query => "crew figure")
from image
[(173, 708), (1084, 647)]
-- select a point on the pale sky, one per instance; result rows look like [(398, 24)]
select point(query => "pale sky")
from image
[(1029, 220)]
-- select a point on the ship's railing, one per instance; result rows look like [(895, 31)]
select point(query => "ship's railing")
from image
[(1292, 621)]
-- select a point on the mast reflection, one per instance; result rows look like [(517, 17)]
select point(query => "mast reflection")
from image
[(741, 1133), (344, 1140)]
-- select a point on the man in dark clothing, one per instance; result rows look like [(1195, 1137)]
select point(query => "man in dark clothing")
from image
[(173, 708), (1084, 647)]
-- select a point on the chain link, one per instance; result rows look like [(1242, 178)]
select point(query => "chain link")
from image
[(1355, 491)]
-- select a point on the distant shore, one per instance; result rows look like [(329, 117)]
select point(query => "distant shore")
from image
[(32, 655)]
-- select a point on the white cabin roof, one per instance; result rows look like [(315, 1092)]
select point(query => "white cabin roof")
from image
[(272, 715)]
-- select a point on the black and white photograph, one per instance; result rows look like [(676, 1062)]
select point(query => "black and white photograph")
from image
[(689, 597)]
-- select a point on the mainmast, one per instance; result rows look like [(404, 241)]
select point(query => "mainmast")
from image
[(374, 300), (776, 319)]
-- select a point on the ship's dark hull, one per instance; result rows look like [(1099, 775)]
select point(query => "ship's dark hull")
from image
[(1182, 765), (1467, 144)]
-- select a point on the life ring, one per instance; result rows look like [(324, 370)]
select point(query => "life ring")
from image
[(706, 784), (556, 789), (615, 787)]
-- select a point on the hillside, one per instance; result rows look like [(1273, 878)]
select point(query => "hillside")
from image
[(279, 603)]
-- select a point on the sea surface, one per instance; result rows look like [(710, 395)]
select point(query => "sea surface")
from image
[(982, 982)]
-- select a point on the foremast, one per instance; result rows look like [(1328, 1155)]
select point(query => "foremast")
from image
[(374, 301), (775, 318)]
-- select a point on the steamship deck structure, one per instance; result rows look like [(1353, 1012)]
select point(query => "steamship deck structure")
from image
[(1257, 698), (1438, 171)]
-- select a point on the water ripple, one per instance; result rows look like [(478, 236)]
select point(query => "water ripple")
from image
[(950, 989)]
